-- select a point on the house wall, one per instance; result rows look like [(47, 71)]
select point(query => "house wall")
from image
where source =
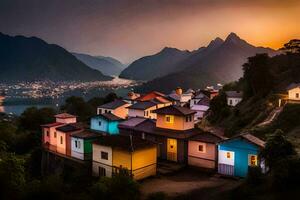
[(121, 159), (113, 127), (53, 138), (103, 110), (241, 150), (135, 113), (235, 101), (67, 120), (144, 163), (99, 162), (95, 124), (292, 94), (200, 109), (61, 142), (77, 152), (179, 123), (122, 111), (46, 135), (205, 159)]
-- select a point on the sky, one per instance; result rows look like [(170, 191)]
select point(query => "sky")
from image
[(130, 29)]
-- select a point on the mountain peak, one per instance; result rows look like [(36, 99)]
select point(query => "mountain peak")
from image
[(215, 43), (233, 36)]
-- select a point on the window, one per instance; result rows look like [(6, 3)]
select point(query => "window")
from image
[(76, 143), (143, 136), (202, 147), (252, 160), (105, 111), (47, 133), (102, 171), (104, 155), (146, 113), (61, 140), (230, 102), (297, 95), (228, 155), (109, 111), (54, 134), (169, 119), (188, 118), (99, 123)]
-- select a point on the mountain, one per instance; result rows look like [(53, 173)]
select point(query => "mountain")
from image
[(157, 65), (107, 65), (31, 59), (219, 62)]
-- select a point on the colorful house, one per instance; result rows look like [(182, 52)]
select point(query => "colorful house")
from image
[(179, 98), (196, 98), (234, 97), (82, 144), (294, 92), (171, 131), (63, 142), (203, 150), (143, 109), (49, 130), (117, 107), (157, 97), (112, 153), (106, 122), (239, 153), (131, 97)]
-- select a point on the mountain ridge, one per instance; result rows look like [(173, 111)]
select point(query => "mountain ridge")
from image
[(32, 59)]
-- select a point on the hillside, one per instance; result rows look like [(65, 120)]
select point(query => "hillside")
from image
[(220, 62), (107, 65), (157, 65), (31, 59), (265, 82)]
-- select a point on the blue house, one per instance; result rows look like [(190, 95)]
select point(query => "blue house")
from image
[(106, 122), (237, 154)]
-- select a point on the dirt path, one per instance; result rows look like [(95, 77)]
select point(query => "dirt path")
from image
[(271, 116), (185, 182)]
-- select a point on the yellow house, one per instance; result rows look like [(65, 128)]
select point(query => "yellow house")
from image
[(114, 152), (294, 92)]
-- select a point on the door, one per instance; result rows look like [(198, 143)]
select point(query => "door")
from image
[(172, 149), (226, 162)]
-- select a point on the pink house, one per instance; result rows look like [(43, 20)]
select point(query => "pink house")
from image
[(203, 150), (50, 133)]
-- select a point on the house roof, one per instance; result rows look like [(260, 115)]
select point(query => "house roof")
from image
[(142, 105), (207, 137), (204, 101), (250, 138), (174, 110), (109, 117), (293, 85), (52, 125), (199, 95), (132, 122), (114, 104), (234, 94), (127, 143), (68, 128), (149, 126), (64, 116), (86, 134)]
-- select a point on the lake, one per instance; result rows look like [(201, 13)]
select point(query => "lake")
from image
[(19, 109)]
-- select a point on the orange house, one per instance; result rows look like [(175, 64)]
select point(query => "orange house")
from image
[(117, 107)]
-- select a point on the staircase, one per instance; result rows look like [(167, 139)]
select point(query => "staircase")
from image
[(272, 116)]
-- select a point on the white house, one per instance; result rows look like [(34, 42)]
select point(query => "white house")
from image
[(234, 97), (294, 92), (201, 108), (196, 99)]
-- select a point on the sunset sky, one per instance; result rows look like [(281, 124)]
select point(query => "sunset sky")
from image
[(129, 29)]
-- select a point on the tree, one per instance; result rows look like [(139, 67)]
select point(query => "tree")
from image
[(12, 176), (218, 107), (77, 106), (293, 46), (277, 148), (257, 75)]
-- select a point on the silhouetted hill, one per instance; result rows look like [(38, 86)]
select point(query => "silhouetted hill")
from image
[(157, 65), (220, 62), (30, 59), (108, 66)]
